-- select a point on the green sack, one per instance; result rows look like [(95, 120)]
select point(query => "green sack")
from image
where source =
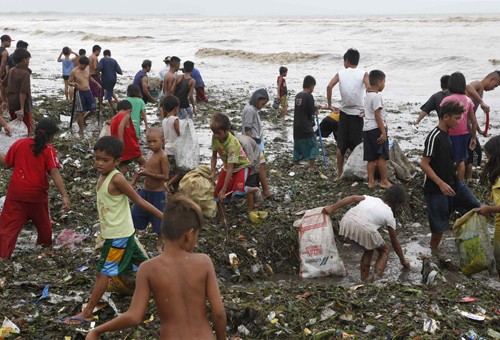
[(474, 243)]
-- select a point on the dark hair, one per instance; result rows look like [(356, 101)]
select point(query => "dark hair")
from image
[(395, 197), (308, 82), (83, 60), (146, 63), (445, 80), (82, 51), (134, 90), (451, 108), (457, 83), (283, 70), (175, 61), (123, 105), (168, 103), (107, 53), (44, 130), (22, 44), (65, 50), (96, 48), (375, 76), (352, 56), (180, 215), (20, 54), (220, 121), (111, 145), (491, 170), (188, 66)]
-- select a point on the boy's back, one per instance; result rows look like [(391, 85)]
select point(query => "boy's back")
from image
[(352, 90), (178, 281)]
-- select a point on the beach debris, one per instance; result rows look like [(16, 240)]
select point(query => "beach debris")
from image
[(431, 274), (494, 334), (326, 314), (430, 325), (243, 330), (258, 217), (233, 260), (368, 328), (69, 237), (82, 268), (471, 334), (8, 328), (472, 316), (3, 282), (468, 299)]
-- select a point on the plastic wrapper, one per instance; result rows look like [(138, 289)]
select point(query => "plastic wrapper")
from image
[(187, 152), (18, 129), (8, 328), (317, 249), (198, 186), (473, 242)]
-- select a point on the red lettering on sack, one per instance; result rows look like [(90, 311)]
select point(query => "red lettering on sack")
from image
[(314, 250)]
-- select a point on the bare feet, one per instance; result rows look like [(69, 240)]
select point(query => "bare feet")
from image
[(372, 185), (385, 184)]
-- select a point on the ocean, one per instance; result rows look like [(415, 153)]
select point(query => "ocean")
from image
[(245, 53)]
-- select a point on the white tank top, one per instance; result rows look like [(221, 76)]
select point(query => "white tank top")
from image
[(352, 90)]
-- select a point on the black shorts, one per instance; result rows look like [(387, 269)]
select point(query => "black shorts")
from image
[(475, 156), (371, 149), (253, 180), (350, 132), (65, 77)]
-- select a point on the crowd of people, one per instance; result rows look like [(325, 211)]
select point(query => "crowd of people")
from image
[(188, 279)]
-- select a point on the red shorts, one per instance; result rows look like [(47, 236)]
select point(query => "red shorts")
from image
[(236, 184), (14, 215)]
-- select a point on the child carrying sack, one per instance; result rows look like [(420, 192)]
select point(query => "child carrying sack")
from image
[(317, 249), (473, 243), (19, 130)]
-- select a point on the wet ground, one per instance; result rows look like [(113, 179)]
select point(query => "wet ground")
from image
[(263, 295)]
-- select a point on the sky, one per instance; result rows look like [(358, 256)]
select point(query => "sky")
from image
[(256, 7)]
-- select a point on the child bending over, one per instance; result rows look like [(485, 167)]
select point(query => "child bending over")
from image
[(361, 223)]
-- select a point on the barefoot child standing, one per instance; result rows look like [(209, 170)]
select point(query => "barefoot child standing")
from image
[(121, 252), (179, 280), (155, 172)]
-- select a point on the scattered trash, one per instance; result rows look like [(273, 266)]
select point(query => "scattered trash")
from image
[(82, 268), (417, 292), (304, 296), (435, 310), (470, 335), (8, 328), (326, 314), (346, 317), (431, 274), (69, 238), (369, 328), (233, 260), (243, 330), (430, 326), (468, 299), (258, 217), (291, 174), (494, 334), (3, 282), (45, 293), (472, 316)]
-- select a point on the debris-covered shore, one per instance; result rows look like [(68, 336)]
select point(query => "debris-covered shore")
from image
[(263, 295)]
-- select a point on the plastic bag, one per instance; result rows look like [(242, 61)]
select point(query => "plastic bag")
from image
[(398, 166), (106, 129), (18, 129), (187, 151), (317, 249), (198, 186), (473, 242)]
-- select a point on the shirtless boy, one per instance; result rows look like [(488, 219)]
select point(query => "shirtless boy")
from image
[(156, 174), (80, 78), (169, 80), (181, 281)]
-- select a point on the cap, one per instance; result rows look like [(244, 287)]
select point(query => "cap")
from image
[(167, 59), (6, 37)]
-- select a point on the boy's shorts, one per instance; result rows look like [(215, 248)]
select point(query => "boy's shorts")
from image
[(108, 94), (185, 113), (476, 155), (460, 148), (96, 90), (65, 77), (371, 149), (440, 207), (305, 149), (87, 101), (284, 101), (121, 255), (253, 180), (328, 126), (142, 218), (350, 132), (236, 185)]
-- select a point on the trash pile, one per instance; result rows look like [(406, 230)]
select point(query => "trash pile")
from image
[(256, 259)]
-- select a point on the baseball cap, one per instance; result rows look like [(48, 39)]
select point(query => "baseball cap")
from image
[(167, 59), (6, 37)]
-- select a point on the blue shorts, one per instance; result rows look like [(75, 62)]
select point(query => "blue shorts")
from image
[(305, 149), (460, 148), (440, 207), (185, 113), (142, 218), (87, 101), (372, 150), (120, 256)]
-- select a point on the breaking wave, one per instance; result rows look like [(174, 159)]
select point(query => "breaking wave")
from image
[(282, 58), (108, 38)]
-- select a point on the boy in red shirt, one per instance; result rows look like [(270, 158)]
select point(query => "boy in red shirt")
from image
[(122, 127)]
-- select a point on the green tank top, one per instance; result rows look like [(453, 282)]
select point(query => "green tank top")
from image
[(114, 212)]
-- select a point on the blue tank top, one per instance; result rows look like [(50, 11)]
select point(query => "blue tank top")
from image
[(67, 66), (138, 80)]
